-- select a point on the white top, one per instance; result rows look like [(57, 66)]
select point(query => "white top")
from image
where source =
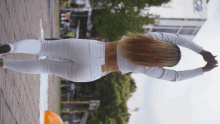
[(126, 66)]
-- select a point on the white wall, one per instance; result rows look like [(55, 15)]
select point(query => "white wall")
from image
[(180, 9)]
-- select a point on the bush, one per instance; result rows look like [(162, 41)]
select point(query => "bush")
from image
[(61, 106), (62, 4), (70, 34), (66, 118)]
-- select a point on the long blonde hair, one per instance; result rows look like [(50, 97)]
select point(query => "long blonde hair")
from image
[(147, 51)]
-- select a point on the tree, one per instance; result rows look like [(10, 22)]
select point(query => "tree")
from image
[(115, 25), (110, 121), (125, 18), (113, 90), (130, 4)]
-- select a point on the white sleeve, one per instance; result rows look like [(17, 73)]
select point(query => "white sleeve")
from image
[(167, 74), (177, 39)]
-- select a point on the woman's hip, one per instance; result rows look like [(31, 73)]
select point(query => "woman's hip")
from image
[(86, 51), (87, 73)]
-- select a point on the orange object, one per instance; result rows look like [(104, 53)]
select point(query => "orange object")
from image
[(67, 16), (51, 117)]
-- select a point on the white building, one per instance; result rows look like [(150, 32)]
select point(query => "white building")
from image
[(184, 17)]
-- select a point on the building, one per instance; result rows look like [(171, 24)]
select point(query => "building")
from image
[(184, 17), (76, 105)]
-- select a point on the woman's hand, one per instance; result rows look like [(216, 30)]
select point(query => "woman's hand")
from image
[(210, 65), (207, 56)]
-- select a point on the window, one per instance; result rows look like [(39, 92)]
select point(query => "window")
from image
[(165, 30), (195, 19), (187, 31), (181, 19), (147, 29), (167, 26), (170, 19), (191, 26), (196, 31)]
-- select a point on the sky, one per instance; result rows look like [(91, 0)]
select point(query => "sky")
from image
[(192, 101)]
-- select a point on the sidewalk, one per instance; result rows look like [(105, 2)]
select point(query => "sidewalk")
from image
[(19, 92)]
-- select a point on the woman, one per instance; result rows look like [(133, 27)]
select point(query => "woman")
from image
[(88, 60)]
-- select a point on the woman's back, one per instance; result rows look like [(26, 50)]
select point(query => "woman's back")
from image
[(111, 57)]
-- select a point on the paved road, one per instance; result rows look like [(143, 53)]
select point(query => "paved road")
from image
[(19, 92)]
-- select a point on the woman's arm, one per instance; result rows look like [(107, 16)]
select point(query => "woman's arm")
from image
[(177, 39), (168, 74)]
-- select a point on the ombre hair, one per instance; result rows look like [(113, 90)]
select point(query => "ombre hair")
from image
[(146, 51)]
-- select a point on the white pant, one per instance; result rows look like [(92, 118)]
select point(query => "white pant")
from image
[(83, 58)]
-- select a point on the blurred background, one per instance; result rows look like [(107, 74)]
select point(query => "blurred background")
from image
[(136, 98)]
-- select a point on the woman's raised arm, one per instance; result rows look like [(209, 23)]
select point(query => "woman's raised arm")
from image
[(176, 39)]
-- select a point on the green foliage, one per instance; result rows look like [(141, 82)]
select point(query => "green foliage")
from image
[(61, 106), (66, 117), (139, 3), (113, 90), (70, 34), (64, 4), (115, 25), (110, 121), (100, 122)]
